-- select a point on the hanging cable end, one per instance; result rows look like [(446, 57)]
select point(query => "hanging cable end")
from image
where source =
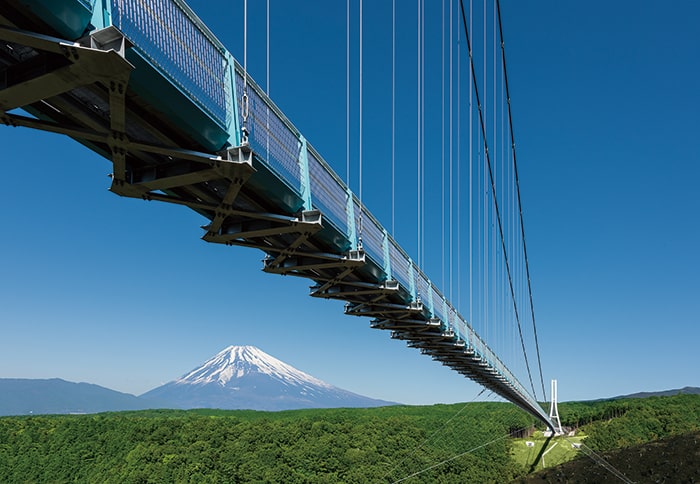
[(244, 136)]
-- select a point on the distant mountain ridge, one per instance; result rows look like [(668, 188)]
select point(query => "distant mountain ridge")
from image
[(245, 377), (19, 396), (239, 377), (664, 393)]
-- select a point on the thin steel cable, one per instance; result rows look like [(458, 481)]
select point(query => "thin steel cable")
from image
[(495, 199), (485, 231), (437, 431), (267, 49), (422, 144), (245, 46), (360, 140), (600, 460), (267, 77), (442, 146), (494, 116), (471, 183), (520, 206), (418, 137), (459, 175), (347, 93), (244, 97), (451, 138), (393, 117), (462, 454)]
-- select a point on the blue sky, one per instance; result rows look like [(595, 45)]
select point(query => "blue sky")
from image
[(122, 292)]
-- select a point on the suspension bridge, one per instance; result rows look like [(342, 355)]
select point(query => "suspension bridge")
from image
[(148, 86)]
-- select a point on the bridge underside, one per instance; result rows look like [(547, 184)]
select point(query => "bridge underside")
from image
[(82, 90)]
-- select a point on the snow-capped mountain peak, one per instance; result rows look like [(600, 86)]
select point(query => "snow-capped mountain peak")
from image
[(236, 362), (246, 377)]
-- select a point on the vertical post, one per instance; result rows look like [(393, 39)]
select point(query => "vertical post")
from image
[(429, 296), (350, 210), (102, 14), (304, 180), (446, 311), (412, 280), (387, 258), (234, 128)]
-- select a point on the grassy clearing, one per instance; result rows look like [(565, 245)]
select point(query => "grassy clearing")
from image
[(536, 456)]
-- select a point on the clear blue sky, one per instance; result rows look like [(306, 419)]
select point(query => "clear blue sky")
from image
[(122, 293)]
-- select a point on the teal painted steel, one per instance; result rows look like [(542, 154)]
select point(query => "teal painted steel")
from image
[(387, 257), (70, 18), (101, 14), (305, 183), (412, 281), (169, 36), (176, 106), (167, 33), (234, 127), (352, 231)]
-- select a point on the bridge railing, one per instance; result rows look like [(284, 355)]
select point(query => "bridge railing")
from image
[(272, 136), (173, 38), (328, 191)]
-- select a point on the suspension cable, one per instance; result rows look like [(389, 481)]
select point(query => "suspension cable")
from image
[(418, 137), (422, 144), (471, 186), (517, 186), (267, 44), (598, 459), (487, 215), (495, 198), (244, 98), (459, 175), (267, 80), (393, 118), (442, 147), (451, 137), (347, 93), (437, 431), (462, 454), (360, 140)]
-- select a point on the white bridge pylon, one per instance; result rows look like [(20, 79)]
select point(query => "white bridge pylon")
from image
[(554, 411)]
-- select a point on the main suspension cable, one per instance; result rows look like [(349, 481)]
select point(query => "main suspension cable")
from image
[(517, 187), (495, 198)]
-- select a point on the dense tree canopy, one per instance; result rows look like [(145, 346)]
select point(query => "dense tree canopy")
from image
[(464, 443)]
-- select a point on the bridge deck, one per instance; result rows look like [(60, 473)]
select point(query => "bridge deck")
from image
[(132, 101)]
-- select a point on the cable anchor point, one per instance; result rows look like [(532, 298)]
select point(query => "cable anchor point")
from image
[(245, 111)]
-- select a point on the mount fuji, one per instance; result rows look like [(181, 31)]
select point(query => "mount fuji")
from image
[(245, 377)]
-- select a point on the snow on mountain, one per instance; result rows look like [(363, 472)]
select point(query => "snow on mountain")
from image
[(245, 377), (239, 361)]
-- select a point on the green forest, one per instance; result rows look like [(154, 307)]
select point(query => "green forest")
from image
[(441, 443)]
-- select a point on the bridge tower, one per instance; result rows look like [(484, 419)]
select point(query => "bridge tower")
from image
[(554, 410)]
